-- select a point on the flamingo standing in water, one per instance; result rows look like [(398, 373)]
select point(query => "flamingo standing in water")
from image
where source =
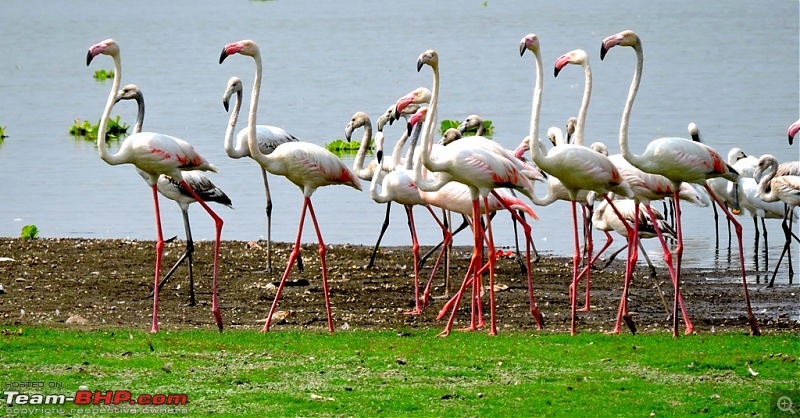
[(172, 189), (680, 160), (482, 166), (578, 168), (306, 165), (155, 154)]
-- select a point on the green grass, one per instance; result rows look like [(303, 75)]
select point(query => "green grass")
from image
[(413, 373)]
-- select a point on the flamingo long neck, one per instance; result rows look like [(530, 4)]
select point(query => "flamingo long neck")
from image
[(373, 185), (101, 131), (252, 140), (139, 114), (635, 160), (765, 192), (358, 164), (411, 148), (587, 95), (240, 150), (536, 106), (424, 158)]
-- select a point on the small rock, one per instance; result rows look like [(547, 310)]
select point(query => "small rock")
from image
[(19, 280), (76, 319), (2, 290), (167, 367)]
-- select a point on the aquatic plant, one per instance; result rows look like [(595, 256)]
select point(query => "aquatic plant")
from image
[(100, 75), (341, 147), (29, 232), (3, 133), (88, 130)]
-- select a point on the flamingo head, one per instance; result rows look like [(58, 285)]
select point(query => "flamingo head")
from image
[(107, 47), (735, 154), (416, 118), (420, 95), (577, 56), (624, 38), (793, 131), (766, 164), (429, 57), (523, 147), (234, 86), (572, 124), (555, 135), (530, 42), (450, 135), (470, 123), (129, 92), (358, 120), (245, 47), (599, 148)]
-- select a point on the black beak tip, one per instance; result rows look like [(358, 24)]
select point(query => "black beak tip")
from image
[(225, 104), (791, 139), (89, 58), (379, 155), (556, 70), (222, 56), (603, 52), (419, 65), (408, 128)]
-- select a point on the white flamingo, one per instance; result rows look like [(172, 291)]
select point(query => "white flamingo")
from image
[(172, 189), (679, 160), (268, 138), (578, 167), (155, 154), (306, 165), (483, 166)]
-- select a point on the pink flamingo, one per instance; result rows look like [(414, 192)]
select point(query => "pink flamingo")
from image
[(306, 165), (578, 167), (268, 138), (155, 154), (398, 186), (679, 160), (173, 190), (482, 166)]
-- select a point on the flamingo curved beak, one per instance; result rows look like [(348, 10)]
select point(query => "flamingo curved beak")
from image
[(561, 62), (94, 51), (348, 131), (793, 131), (609, 43), (523, 46), (230, 49)]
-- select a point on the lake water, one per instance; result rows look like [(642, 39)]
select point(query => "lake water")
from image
[(731, 67)]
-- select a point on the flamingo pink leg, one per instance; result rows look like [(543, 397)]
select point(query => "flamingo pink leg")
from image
[(415, 249), (159, 251), (537, 315), (322, 252), (576, 259), (445, 242), (630, 266), (671, 268), (218, 226), (754, 329), (474, 261), (588, 269)]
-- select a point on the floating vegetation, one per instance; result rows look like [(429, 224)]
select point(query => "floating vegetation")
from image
[(29, 232), (101, 75), (3, 133), (88, 131), (341, 147)]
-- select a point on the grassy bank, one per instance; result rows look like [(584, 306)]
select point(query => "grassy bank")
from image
[(360, 373)]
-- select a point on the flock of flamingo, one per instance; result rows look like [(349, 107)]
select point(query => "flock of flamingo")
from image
[(472, 176)]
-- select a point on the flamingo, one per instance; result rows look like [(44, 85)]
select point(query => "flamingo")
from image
[(757, 207), (155, 154), (398, 186), (578, 167), (472, 122), (268, 138), (720, 187), (361, 119), (172, 189), (772, 187), (793, 129), (482, 166), (306, 165), (679, 160)]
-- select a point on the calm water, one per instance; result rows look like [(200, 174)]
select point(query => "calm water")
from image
[(731, 67)]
